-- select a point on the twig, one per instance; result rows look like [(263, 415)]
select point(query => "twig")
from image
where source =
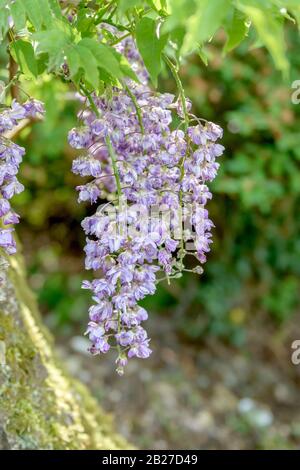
[(17, 129), (12, 70)]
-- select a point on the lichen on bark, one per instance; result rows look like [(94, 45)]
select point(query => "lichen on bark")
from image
[(41, 406)]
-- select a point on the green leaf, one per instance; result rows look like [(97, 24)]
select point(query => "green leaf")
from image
[(150, 46), (205, 22), (55, 8), (73, 60), (41, 61), (18, 14), (124, 5), (269, 27), (106, 78), (52, 42), (39, 13), (104, 55), (177, 38), (46, 13), (125, 66), (3, 18), (34, 12), (89, 64), (236, 30), (180, 10), (23, 54), (85, 22)]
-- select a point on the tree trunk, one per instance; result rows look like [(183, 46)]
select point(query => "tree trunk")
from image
[(41, 407)]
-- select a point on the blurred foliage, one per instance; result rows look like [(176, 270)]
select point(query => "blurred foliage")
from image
[(254, 264)]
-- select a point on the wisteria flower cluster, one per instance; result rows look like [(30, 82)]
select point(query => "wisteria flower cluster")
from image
[(145, 156), (11, 156)]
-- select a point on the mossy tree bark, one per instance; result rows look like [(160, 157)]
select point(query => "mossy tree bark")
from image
[(41, 407)]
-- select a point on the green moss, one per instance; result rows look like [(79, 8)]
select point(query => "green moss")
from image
[(41, 407)]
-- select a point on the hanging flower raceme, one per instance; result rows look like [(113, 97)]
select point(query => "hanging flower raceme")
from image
[(156, 175), (11, 156)]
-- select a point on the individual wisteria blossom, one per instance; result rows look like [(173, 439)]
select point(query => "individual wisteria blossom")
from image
[(11, 156), (138, 160)]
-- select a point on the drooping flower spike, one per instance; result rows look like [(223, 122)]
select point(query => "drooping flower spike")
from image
[(11, 156), (131, 149)]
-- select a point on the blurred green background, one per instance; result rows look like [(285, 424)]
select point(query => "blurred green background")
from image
[(252, 274)]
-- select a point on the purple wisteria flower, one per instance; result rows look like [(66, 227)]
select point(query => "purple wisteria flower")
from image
[(137, 160), (11, 156)]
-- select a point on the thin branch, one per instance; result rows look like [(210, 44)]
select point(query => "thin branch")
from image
[(136, 106), (16, 130), (174, 71), (12, 70), (114, 165)]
